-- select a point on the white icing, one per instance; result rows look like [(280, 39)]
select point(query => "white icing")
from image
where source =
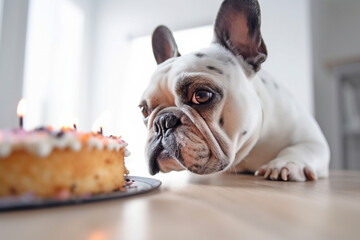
[(61, 143), (42, 143), (75, 146), (5, 146), (112, 144), (40, 148), (96, 143), (127, 152)]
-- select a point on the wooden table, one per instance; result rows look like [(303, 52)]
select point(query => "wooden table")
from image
[(221, 207)]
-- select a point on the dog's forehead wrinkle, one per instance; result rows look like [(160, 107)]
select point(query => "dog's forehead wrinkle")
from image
[(186, 79), (200, 55)]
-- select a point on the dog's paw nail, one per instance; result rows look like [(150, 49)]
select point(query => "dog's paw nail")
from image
[(284, 174), (268, 172), (310, 175), (274, 175), (260, 172)]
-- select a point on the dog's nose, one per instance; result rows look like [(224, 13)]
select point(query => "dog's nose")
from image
[(164, 122)]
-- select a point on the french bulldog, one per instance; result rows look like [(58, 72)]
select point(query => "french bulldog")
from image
[(213, 110)]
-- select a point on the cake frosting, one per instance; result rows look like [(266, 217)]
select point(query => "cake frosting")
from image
[(43, 141), (48, 163)]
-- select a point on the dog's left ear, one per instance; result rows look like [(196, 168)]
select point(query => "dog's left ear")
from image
[(237, 28), (164, 45)]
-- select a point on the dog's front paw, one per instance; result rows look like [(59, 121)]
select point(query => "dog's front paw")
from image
[(286, 171)]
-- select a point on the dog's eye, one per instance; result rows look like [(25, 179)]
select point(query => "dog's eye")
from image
[(201, 96)]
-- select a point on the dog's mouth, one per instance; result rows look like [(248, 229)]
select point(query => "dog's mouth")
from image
[(183, 147), (156, 148)]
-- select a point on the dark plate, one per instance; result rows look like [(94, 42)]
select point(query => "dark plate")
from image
[(27, 201)]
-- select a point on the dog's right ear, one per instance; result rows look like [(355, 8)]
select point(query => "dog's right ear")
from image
[(237, 28), (164, 45)]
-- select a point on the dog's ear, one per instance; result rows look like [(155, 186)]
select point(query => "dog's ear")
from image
[(237, 28), (164, 45)]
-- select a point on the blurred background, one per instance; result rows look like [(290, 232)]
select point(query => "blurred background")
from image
[(77, 60)]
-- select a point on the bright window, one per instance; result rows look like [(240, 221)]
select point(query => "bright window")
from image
[(53, 62)]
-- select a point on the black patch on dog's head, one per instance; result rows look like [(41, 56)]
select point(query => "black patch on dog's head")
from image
[(200, 55), (215, 69)]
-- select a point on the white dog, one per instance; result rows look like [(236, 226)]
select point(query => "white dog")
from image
[(212, 110)]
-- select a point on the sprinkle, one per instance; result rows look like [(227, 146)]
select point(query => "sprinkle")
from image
[(60, 134), (63, 194), (86, 195), (13, 191), (128, 183)]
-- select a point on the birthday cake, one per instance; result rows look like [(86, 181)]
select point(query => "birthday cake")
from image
[(62, 163)]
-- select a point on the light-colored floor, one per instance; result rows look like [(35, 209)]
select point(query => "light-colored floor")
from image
[(221, 207)]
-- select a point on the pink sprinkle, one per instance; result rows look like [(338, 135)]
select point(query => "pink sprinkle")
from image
[(128, 183), (63, 194), (86, 195)]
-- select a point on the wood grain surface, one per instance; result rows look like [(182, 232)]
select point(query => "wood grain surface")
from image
[(217, 207)]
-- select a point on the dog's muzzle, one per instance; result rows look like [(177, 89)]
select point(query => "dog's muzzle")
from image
[(164, 123), (163, 126), (180, 139)]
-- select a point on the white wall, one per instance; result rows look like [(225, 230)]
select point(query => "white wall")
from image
[(336, 38), (1, 16), (12, 48), (287, 34)]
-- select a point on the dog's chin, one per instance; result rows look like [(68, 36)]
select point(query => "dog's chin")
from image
[(167, 164), (182, 149)]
